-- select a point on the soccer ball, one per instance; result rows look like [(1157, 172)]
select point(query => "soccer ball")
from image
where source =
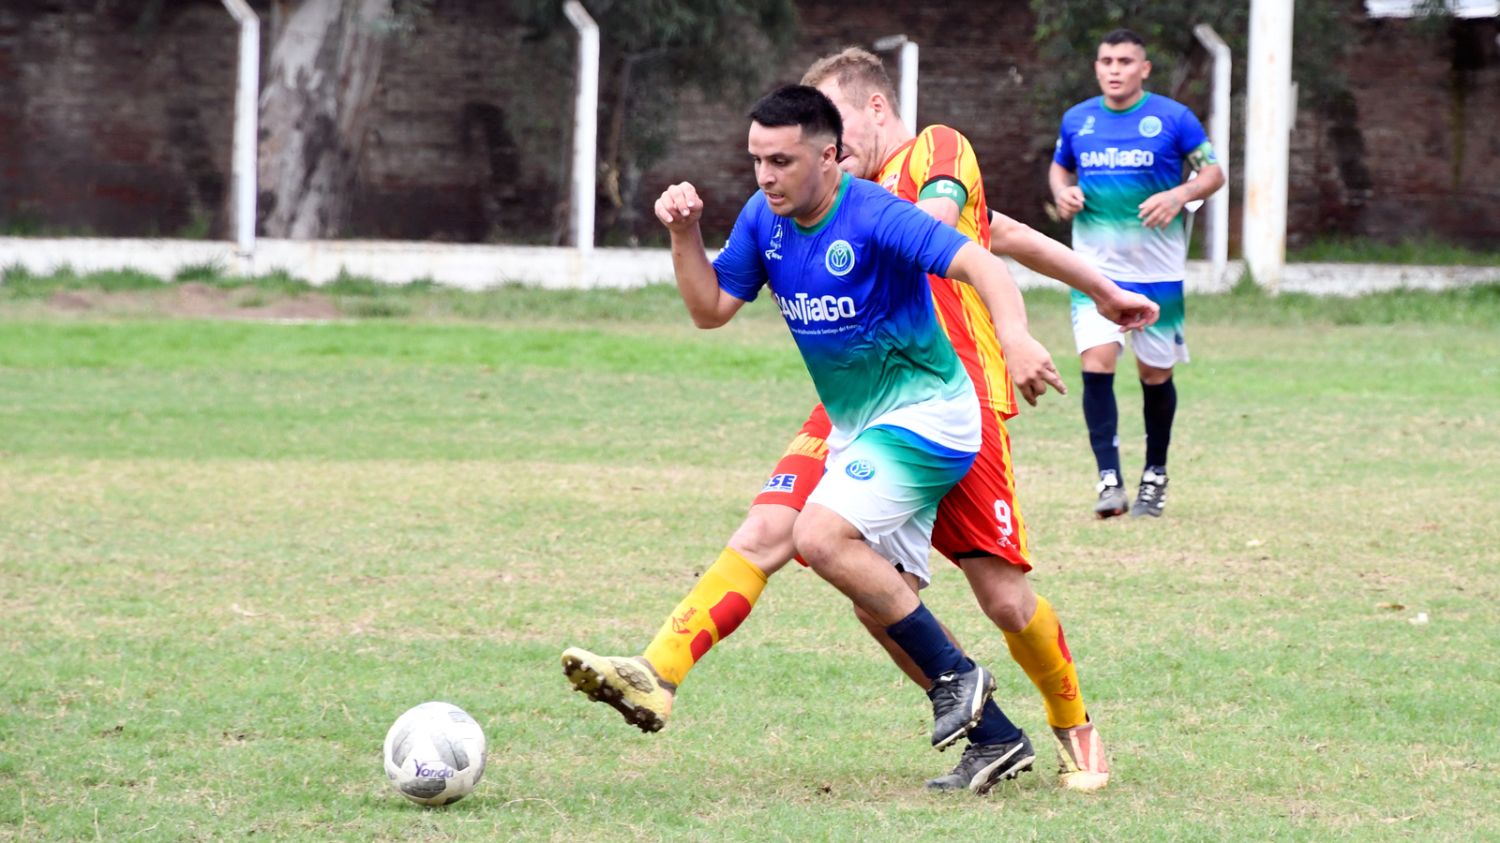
[(434, 754)]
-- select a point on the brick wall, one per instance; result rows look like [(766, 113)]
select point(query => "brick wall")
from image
[(118, 125)]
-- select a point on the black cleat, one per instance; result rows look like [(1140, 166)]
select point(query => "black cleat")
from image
[(958, 704), (985, 765), (1112, 498), (1151, 497)]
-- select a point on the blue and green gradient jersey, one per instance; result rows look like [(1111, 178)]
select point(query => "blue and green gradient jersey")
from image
[(1122, 158), (854, 292)]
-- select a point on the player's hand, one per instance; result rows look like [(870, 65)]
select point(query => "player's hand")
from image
[(679, 207), (1130, 310), (1160, 208), (1069, 201), (1031, 368)]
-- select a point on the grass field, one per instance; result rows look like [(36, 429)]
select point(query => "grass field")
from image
[(232, 552)]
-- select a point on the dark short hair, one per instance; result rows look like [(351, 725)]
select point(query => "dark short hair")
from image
[(801, 105), (1124, 36)]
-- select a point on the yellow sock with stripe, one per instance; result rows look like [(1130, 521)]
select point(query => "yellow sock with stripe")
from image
[(722, 598), (1042, 651)]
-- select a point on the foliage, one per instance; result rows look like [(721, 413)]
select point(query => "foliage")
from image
[(651, 53)]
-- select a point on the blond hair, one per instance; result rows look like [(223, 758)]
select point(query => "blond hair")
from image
[(858, 72)]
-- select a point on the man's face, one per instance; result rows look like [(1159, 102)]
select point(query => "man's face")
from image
[(861, 136), (789, 168), (1122, 70)]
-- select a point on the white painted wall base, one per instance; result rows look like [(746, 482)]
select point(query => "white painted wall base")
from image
[(474, 267)]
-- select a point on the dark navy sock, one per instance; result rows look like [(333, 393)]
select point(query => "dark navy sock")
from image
[(922, 637), (995, 727), (1102, 416), (1159, 404)]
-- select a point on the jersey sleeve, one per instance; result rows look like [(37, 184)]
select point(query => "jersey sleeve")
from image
[(1062, 153), (908, 234), (943, 164), (1191, 138), (738, 265)]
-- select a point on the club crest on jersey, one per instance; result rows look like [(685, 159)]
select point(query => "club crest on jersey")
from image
[(860, 469), (839, 259), (1150, 126), (774, 253)]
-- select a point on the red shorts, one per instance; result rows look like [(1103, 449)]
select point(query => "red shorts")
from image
[(978, 517)]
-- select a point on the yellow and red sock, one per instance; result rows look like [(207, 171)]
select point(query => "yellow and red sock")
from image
[(722, 598), (1042, 651)]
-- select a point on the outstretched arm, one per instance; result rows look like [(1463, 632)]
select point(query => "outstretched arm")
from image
[(1040, 253), (1031, 367), (680, 210)]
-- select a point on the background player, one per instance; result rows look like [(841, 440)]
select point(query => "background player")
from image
[(1118, 174)]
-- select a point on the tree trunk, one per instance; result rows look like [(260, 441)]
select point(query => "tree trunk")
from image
[(314, 111)]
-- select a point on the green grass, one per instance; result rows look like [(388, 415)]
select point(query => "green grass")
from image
[(1428, 251), (231, 553)]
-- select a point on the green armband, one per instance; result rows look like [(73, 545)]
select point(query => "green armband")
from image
[(1202, 156), (945, 187)]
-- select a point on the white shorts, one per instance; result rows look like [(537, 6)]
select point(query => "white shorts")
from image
[(1161, 345), (888, 483)]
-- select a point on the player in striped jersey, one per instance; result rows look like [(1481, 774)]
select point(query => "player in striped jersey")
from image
[(978, 526), (1118, 174)]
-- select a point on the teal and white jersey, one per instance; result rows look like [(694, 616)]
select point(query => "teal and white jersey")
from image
[(854, 292), (1122, 158)]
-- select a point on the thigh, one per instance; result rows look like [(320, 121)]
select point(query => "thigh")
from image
[(1091, 330), (981, 516), (888, 479), (1163, 344)]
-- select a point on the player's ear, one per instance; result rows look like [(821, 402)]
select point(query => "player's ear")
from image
[(1145, 68)]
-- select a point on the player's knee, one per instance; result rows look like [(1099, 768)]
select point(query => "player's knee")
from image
[(814, 537), (1006, 598), (1009, 612), (765, 538)]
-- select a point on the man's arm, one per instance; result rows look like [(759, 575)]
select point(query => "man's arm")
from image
[(680, 210), (943, 210), (1040, 253), (1031, 367), (1161, 208), (1066, 194)]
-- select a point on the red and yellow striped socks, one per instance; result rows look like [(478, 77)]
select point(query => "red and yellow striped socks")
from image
[(1041, 650), (722, 598)]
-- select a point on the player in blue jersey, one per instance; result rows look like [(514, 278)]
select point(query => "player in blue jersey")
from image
[(846, 263), (1118, 174)]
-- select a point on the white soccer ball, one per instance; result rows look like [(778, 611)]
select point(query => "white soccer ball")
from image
[(434, 754)]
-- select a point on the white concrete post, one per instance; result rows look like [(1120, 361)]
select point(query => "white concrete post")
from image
[(1269, 108), (1217, 222), (908, 86), (246, 131), (585, 125)]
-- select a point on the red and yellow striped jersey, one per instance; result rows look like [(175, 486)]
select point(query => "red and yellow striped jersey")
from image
[(939, 162)]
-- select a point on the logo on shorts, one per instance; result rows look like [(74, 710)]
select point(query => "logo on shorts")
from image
[(780, 483), (839, 259), (860, 469), (1150, 126)]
